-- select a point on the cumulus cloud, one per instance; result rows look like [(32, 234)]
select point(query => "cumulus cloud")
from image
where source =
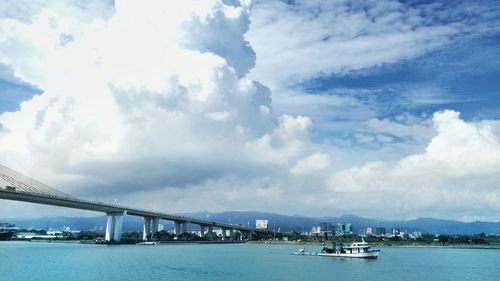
[(152, 97), (157, 99), (460, 167), (405, 126), (311, 165), (308, 51)]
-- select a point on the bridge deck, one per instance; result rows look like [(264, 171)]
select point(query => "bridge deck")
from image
[(18, 187), (74, 203)]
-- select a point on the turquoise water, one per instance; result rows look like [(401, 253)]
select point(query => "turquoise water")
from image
[(53, 261)]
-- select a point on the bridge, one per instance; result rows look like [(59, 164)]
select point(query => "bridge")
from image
[(18, 187)]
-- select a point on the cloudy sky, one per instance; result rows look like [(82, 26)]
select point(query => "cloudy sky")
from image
[(385, 109)]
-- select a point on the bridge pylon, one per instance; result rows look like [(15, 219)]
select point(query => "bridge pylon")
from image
[(114, 227)]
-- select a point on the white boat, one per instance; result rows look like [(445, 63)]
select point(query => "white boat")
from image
[(148, 243), (355, 250), (302, 252)]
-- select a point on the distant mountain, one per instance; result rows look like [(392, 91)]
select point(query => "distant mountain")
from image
[(80, 223), (278, 222), (453, 227)]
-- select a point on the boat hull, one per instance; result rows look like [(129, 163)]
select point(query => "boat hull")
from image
[(365, 255)]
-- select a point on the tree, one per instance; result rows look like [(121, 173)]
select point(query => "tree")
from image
[(164, 235), (443, 238)]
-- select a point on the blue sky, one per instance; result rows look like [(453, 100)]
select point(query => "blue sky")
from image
[(229, 105), (13, 94), (463, 76)]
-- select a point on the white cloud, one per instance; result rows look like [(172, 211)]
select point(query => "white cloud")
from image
[(311, 165), (152, 97), (313, 38), (300, 41), (459, 170), (362, 138), (286, 141), (404, 126)]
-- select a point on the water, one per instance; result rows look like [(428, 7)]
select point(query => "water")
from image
[(54, 261)]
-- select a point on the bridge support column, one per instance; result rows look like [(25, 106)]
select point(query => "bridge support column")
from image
[(249, 235), (147, 228), (110, 229), (231, 234), (114, 227), (177, 228), (223, 233), (202, 230), (118, 228), (184, 227), (210, 232), (156, 224)]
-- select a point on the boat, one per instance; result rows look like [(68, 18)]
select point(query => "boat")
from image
[(148, 243), (355, 250), (302, 252)]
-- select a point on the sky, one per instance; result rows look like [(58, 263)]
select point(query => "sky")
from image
[(384, 109)]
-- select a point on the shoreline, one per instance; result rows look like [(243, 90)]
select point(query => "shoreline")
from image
[(89, 242), (311, 244), (319, 244)]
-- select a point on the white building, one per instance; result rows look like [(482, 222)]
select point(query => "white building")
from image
[(316, 230), (261, 224)]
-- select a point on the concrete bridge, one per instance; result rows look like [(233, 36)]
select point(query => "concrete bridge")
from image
[(17, 187)]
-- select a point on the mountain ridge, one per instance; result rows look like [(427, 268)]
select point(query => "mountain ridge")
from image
[(276, 222)]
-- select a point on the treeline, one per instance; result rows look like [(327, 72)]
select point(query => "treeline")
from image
[(480, 239), (426, 239)]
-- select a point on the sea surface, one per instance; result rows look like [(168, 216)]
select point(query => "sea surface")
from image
[(60, 261)]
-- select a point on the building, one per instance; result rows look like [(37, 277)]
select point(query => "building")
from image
[(33, 235), (340, 229), (261, 224), (54, 233), (380, 231), (8, 226), (348, 228), (369, 231), (343, 229), (395, 231), (415, 235), (67, 229), (327, 226), (315, 230)]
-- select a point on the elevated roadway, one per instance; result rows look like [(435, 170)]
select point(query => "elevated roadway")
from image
[(17, 187)]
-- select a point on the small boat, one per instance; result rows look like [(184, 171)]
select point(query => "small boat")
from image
[(148, 243), (355, 250), (302, 252)]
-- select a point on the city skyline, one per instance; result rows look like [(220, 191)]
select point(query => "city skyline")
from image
[(383, 109)]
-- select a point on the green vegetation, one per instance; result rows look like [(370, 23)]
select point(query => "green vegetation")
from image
[(479, 240), (130, 237)]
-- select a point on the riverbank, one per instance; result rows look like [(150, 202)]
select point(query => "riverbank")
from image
[(391, 244), (385, 245), (122, 243)]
